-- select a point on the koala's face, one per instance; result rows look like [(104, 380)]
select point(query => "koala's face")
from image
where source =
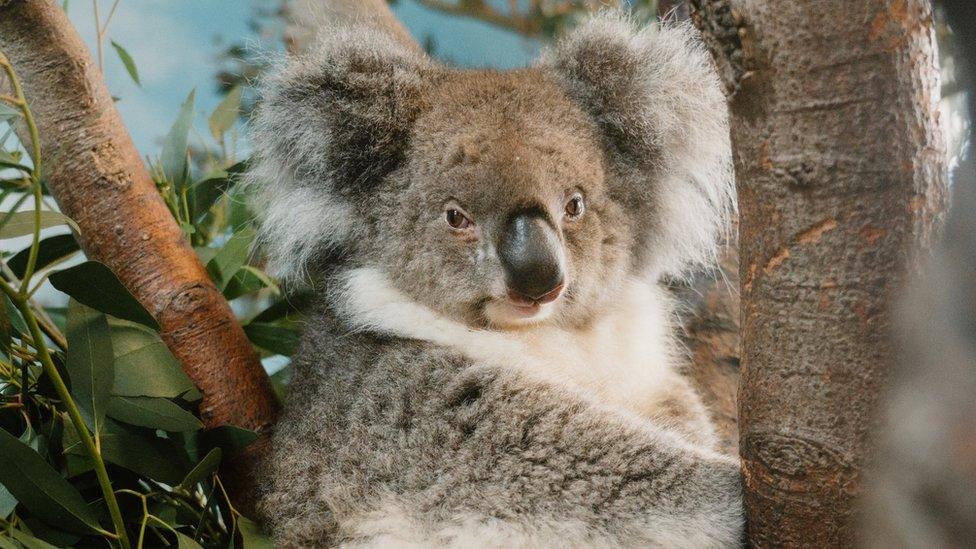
[(504, 200), (498, 199)]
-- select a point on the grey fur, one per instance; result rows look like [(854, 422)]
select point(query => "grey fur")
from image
[(403, 425), (414, 417)]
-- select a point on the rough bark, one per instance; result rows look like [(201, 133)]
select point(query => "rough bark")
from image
[(840, 168), (99, 180)]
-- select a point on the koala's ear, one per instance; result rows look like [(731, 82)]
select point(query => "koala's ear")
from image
[(330, 126), (658, 103)]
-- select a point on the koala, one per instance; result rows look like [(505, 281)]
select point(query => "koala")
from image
[(492, 359)]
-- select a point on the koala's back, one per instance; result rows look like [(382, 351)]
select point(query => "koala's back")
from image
[(390, 442)]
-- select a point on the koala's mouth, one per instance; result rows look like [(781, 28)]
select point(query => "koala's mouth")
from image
[(515, 309)]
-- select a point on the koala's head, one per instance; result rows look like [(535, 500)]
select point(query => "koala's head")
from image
[(497, 198)]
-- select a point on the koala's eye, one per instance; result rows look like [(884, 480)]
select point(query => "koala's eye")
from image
[(575, 206), (457, 220)]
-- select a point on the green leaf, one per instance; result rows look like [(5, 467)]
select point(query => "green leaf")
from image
[(208, 191), (231, 257), (52, 250), (29, 541), (186, 542), (154, 413), (173, 159), (279, 382), (289, 307), (39, 488), (12, 160), (251, 535), (95, 285), (202, 470), (147, 455), (13, 314), (240, 215), (224, 116), (228, 438), (22, 223), (8, 113), (279, 337), (48, 534), (7, 502), (90, 362), (144, 366), (248, 280), (130, 64)]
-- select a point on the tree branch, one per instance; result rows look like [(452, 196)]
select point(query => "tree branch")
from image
[(526, 24)]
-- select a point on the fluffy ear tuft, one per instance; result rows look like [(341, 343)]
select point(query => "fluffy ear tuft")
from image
[(658, 102), (330, 126)]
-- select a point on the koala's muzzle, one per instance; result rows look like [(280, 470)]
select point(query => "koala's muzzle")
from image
[(532, 256)]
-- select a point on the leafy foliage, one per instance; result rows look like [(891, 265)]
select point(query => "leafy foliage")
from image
[(100, 440)]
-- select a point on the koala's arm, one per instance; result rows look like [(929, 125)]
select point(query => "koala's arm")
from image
[(677, 406), (413, 446)]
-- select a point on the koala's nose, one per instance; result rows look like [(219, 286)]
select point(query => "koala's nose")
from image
[(532, 256)]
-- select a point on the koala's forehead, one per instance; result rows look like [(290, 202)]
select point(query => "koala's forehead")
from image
[(502, 121)]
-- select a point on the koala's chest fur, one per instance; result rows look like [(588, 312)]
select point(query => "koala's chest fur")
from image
[(624, 359)]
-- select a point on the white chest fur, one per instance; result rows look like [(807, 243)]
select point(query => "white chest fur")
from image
[(622, 359)]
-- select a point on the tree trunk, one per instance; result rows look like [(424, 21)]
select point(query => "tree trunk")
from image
[(840, 169), (98, 179)]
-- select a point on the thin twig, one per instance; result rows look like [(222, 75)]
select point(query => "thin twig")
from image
[(98, 37)]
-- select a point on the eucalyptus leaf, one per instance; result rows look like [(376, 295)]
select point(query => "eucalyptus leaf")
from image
[(231, 257), (206, 192), (12, 160), (7, 502), (251, 535), (228, 438), (186, 542), (90, 362), (144, 366), (39, 488), (224, 116), (16, 320), (130, 64), (8, 113), (147, 455), (280, 337), (22, 223), (153, 413), (40, 531), (202, 470), (248, 280), (290, 306), (29, 541), (95, 285), (52, 249), (173, 159)]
